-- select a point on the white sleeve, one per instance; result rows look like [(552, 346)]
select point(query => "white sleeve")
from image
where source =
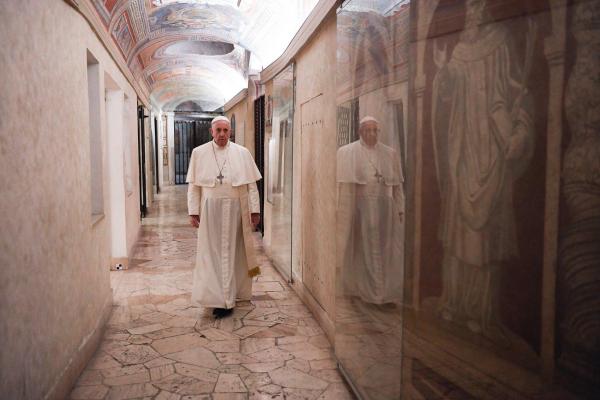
[(193, 199), (253, 198)]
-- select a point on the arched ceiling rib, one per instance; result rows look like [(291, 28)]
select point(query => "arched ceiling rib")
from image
[(200, 50)]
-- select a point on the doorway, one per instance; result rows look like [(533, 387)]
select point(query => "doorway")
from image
[(188, 135)]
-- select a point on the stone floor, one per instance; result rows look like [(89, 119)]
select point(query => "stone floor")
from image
[(158, 345)]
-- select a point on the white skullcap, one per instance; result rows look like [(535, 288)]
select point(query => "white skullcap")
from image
[(368, 118), (220, 118)]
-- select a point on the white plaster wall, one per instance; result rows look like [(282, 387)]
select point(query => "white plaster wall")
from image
[(240, 111), (249, 129), (96, 100), (54, 280), (132, 200), (161, 135), (115, 105)]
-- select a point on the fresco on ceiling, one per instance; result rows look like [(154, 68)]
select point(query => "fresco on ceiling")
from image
[(157, 38), (147, 52), (161, 62), (103, 13), (197, 17), (231, 64), (110, 5), (185, 71), (211, 88), (197, 48), (136, 68), (172, 95), (122, 34)]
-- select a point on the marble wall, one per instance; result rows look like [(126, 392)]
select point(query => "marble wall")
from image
[(496, 303), (54, 284), (313, 220), (490, 278)]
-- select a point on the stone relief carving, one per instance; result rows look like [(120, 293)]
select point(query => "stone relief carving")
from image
[(482, 119), (579, 252)]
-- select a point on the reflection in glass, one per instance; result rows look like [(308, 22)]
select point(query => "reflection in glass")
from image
[(279, 188), (499, 262), (372, 88), (370, 198)]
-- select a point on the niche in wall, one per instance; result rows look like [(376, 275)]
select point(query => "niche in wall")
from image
[(95, 137)]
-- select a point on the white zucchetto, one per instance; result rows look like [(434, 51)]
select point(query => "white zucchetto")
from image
[(220, 118)]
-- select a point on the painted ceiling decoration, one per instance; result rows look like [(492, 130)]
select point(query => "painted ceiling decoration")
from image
[(200, 51)]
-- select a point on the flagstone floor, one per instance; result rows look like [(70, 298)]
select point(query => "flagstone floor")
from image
[(157, 345)]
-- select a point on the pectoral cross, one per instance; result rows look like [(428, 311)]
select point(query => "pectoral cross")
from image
[(378, 176), (220, 178)]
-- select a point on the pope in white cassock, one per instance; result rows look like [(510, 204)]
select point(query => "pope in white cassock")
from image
[(223, 203), (370, 210)]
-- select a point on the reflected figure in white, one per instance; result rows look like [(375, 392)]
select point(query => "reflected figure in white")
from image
[(483, 140), (370, 217)]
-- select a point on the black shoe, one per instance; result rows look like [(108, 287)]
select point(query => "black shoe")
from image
[(222, 312)]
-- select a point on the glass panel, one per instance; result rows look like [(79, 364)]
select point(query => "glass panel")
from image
[(494, 253), (372, 96), (280, 157), (501, 291)]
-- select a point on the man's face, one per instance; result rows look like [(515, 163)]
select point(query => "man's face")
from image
[(474, 10), (368, 132), (220, 132)]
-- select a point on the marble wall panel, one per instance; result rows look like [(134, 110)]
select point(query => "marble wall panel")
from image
[(314, 123), (501, 244), (498, 305)]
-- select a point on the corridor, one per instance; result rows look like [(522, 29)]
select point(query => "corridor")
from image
[(424, 175), (157, 345)]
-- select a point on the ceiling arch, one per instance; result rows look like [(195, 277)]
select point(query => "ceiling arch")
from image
[(199, 50)]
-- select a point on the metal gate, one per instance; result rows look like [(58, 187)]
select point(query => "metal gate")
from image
[(142, 159), (188, 135), (259, 156)]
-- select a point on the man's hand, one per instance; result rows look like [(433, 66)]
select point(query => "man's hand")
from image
[(195, 220), (255, 219)]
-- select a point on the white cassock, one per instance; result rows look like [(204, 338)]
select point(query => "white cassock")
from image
[(224, 250), (370, 200)]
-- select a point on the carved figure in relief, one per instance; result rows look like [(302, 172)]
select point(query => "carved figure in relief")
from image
[(483, 140), (579, 251)]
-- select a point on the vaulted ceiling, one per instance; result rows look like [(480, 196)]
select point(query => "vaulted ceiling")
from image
[(202, 50)]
